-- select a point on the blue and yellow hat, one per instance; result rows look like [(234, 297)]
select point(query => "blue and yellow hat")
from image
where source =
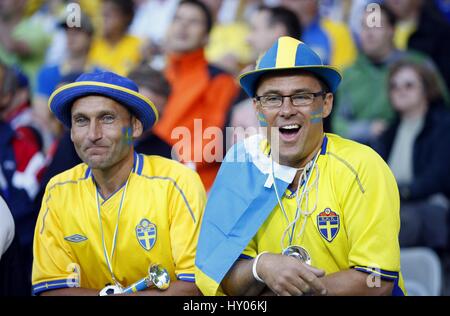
[(108, 84), (289, 53)]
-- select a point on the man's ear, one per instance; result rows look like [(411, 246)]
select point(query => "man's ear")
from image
[(327, 104), (255, 105), (137, 126)]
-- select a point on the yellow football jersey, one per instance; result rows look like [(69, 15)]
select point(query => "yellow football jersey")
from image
[(159, 223), (356, 220), (120, 58)]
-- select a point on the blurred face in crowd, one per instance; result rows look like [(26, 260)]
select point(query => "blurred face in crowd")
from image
[(306, 10), (158, 100), (4, 98), (114, 21), (376, 41), (213, 5), (403, 8), (188, 30), (78, 41), (407, 92), (300, 128), (262, 35), (99, 126), (11, 8)]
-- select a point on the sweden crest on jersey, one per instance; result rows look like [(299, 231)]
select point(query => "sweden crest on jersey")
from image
[(146, 234), (328, 223)]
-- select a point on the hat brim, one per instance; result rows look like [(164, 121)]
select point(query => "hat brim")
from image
[(330, 75), (60, 102)]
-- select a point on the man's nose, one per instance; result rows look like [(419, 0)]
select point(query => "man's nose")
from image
[(287, 108), (95, 131)]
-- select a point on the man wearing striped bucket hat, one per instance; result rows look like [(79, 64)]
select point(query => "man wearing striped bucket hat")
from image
[(312, 213), (120, 217)]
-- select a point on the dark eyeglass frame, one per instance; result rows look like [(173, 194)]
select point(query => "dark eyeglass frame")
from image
[(312, 96)]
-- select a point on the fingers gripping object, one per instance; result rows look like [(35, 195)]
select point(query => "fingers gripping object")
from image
[(299, 253)]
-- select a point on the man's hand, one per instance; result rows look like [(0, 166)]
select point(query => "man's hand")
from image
[(285, 275)]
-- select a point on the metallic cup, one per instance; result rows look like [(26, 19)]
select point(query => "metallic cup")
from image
[(157, 276)]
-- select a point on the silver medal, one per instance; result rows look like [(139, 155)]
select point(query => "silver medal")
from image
[(299, 253)]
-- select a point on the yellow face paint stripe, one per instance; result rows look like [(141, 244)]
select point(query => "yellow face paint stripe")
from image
[(106, 85), (286, 52)]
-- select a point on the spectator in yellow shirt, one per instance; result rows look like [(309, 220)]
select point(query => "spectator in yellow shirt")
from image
[(116, 50)]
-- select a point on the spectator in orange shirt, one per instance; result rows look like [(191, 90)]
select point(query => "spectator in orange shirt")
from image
[(201, 93)]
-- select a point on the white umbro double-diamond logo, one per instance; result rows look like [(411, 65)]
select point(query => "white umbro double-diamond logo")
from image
[(75, 238)]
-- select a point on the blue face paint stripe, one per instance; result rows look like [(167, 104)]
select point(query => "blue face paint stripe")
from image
[(319, 111), (262, 120), (127, 133), (316, 116)]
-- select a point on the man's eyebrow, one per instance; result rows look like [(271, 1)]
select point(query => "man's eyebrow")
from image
[(99, 114), (103, 113), (274, 91)]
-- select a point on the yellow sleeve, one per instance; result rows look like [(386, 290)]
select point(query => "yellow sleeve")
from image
[(371, 207), (53, 264), (251, 251), (186, 202)]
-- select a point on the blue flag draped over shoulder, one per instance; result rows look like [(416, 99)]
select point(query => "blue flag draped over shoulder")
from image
[(239, 202)]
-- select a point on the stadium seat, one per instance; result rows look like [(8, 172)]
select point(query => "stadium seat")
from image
[(422, 271)]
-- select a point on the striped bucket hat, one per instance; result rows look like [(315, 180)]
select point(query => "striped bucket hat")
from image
[(289, 53)]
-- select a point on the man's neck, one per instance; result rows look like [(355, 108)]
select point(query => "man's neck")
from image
[(77, 63), (382, 55), (110, 180), (416, 112), (114, 38), (302, 164)]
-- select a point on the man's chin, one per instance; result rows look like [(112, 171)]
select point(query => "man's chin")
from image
[(97, 163)]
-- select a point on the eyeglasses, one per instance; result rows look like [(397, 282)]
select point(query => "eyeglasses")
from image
[(297, 100)]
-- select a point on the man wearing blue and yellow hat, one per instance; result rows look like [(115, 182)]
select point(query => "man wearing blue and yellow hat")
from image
[(311, 213), (120, 221)]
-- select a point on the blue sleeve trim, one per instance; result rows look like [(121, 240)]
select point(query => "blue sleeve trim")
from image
[(397, 291), (141, 164), (187, 277), (245, 257), (323, 150), (52, 285), (384, 274), (88, 173), (135, 158)]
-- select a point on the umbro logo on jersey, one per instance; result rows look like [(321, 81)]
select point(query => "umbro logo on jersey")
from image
[(75, 238)]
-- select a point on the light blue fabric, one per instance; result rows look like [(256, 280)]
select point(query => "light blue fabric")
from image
[(239, 203)]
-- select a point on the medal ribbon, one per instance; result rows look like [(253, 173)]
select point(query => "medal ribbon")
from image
[(108, 258)]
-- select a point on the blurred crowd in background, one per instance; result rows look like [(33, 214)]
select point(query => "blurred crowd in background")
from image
[(186, 57)]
